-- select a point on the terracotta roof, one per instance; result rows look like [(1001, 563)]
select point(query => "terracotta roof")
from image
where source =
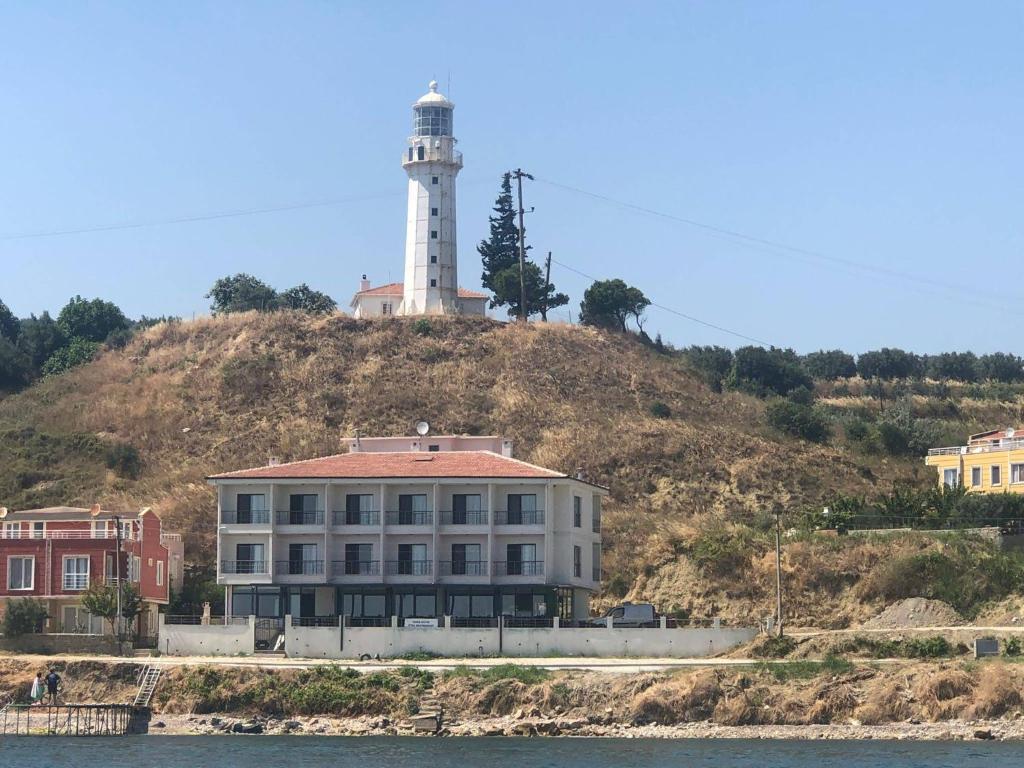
[(395, 289), (476, 464)]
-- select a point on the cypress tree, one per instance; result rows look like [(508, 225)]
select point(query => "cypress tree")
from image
[(500, 251)]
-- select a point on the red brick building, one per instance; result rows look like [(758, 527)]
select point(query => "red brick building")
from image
[(55, 553)]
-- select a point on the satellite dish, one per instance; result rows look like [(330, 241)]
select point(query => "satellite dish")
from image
[(3, 511), (422, 428), (94, 510)]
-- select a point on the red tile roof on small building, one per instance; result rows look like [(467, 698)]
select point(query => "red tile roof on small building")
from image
[(396, 289), (425, 464)]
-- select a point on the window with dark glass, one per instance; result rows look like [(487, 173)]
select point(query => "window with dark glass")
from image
[(433, 283), (433, 179), (433, 211), (577, 512), (358, 559), (522, 508), (358, 507), (466, 508), (420, 152), (577, 562), (302, 508)]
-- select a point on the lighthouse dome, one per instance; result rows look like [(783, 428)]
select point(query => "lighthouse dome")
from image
[(433, 98)]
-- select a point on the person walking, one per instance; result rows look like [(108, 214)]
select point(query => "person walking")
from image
[(38, 689), (52, 686)]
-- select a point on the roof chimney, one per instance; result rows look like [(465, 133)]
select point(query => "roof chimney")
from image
[(506, 448), (580, 474), (273, 461), (364, 284), (356, 444)]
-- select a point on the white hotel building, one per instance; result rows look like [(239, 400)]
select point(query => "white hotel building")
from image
[(419, 527)]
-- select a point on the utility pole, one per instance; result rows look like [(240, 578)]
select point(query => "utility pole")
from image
[(544, 295), (778, 567), (518, 175)]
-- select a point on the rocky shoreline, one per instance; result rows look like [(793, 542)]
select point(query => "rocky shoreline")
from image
[(593, 727)]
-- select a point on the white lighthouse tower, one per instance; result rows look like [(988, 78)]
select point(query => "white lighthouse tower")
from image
[(431, 282)]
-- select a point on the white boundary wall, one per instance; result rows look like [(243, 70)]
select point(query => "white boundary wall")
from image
[(207, 639), (455, 642)]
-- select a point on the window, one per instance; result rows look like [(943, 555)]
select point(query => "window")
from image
[(1017, 473), (135, 567), (76, 573), (159, 573), (412, 509), (433, 258), (359, 559), (522, 509), (12, 530), (433, 234), (302, 509), (248, 559), (577, 562), (577, 512), (420, 152), (433, 179), (21, 573), (302, 560), (433, 211), (359, 509), (433, 283), (596, 521), (410, 154), (467, 509), (386, 308), (38, 530), (595, 561), (251, 508), (433, 448), (975, 477), (412, 560), (951, 478), (997, 475), (521, 560), (466, 560)]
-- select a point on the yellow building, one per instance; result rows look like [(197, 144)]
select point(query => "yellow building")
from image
[(991, 462)]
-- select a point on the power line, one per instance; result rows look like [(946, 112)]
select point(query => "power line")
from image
[(778, 246), (676, 312)]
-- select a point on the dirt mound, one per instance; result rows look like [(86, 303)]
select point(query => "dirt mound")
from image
[(915, 612)]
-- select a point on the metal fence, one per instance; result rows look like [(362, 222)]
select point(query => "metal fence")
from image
[(300, 517), (523, 517), (464, 517), (245, 517), (351, 517)]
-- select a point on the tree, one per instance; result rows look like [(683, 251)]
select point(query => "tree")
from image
[(131, 606), (798, 419), (91, 320), (763, 371), (78, 352), (15, 368), (241, 293), (100, 599), (830, 365), (540, 296), (956, 366), (1000, 366), (23, 616), (712, 362), (9, 325), (610, 304), (305, 299), (888, 364), (500, 252), (40, 337)]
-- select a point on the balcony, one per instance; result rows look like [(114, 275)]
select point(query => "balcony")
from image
[(523, 517), (409, 517), (299, 517), (519, 568), (467, 517), (355, 567), (251, 517), (463, 567), (299, 568), (244, 567), (348, 517), (74, 582), (956, 450), (22, 534), (409, 567)]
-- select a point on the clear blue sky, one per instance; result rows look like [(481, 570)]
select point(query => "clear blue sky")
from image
[(884, 134)]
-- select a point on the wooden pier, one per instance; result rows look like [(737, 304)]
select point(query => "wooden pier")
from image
[(73, 720)]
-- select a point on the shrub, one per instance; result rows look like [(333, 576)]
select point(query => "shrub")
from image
[(926, 647), (124, 459), (1012, 647), (797, 420), (24, 616), (713, 363), (78, 352), (660, 410), (723, 550), (773, 647), (422, 327)]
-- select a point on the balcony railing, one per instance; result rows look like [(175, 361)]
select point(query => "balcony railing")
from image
[(463, 567), (409, 517), (355, 567), (300, 517), (259, 567), (468, 517), (252, 517), (519, 568), (299, 567), (409, 567), (75, 581), (361, 517), (955, 450), (15, 533), (474, 621), (525, 517), (367, 621), (314, 621)]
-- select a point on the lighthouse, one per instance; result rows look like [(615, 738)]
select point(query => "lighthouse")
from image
[(432, 163), (431, 281)]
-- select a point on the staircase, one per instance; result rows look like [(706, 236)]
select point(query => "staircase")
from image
[(148, 679)]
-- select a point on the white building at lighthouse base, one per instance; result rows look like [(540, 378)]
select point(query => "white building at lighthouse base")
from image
[(387, 301)]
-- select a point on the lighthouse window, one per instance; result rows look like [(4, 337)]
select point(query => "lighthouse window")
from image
[(433, 211), (433, 258), (433, 234), (433, 283), (419, 152), (410, 153), (433, 179)]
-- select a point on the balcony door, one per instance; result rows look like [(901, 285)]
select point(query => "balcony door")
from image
[(465, 559), (412, 509), (466, 508), (411, 559), (302, 508), (247, 504), (357, 508), (301, 559), (249, 558), (520, 559), (522, 508), (358, 558)]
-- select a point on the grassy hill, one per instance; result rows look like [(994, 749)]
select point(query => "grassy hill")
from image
[(690, 487)]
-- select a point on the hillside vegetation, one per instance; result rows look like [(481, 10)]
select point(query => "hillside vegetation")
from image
[(693, 473)]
